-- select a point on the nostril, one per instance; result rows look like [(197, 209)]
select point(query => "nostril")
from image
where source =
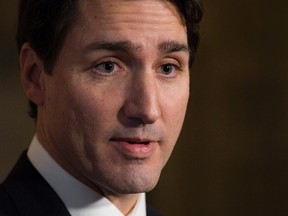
[(141, 105), (137, 113)]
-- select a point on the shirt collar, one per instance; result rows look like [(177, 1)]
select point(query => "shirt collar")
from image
[(79, 199)]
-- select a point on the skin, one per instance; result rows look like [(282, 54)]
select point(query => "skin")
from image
[(113, 108)]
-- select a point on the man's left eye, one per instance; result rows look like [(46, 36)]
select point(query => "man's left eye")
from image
[(168, 69)]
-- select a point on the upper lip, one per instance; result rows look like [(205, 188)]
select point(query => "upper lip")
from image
[(132, 140)]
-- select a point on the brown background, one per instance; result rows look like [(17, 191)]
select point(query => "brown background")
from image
[(232, 157)]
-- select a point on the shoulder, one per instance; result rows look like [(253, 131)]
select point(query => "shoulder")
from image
[(6, 204), (26, 192)]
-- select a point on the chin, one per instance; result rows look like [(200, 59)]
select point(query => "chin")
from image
[(131, 184), (136, 188)]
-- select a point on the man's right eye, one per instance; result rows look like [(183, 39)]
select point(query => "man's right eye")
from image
[(107, 67)]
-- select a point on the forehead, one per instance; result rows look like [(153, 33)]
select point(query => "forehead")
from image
[(111, 12), (143, 23)]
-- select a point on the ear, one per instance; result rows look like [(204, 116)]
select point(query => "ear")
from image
[(31, 74)]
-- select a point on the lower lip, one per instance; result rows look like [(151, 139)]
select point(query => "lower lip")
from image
[(135, 151)]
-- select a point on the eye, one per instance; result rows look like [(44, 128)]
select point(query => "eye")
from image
[(107, 67), (169, 70)]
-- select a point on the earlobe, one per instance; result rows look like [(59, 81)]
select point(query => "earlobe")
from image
[(31, 74)]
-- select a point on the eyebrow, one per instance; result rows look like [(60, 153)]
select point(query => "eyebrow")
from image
[(173, 46), (129, 47), (120, 46)]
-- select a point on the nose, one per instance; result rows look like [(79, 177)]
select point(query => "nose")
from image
[(142, 100)]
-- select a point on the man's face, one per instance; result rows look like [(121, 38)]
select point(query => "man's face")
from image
[(115, 103)]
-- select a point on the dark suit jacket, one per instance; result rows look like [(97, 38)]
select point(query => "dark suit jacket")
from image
[(25, 192)]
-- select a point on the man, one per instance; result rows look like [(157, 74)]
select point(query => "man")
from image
[(108, 84)]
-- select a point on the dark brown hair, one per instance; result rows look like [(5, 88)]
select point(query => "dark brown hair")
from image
[(44, 25)]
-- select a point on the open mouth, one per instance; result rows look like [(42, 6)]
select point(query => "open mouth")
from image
[(140, 143), (132, 141), (134, 148)]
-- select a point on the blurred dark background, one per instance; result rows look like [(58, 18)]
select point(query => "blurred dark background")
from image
[(232, 157)]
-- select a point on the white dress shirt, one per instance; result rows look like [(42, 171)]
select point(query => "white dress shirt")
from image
[(79, 199)]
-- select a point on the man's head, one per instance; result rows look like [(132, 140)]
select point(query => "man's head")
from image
[(111, 86), (45, 23)]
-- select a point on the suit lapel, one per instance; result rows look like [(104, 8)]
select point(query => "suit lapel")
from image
[(30, 193), (152, 212)]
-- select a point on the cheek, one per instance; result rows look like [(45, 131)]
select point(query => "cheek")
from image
[(84, 125), (88, 112), (93, 114), (175, 107), (174, 114)]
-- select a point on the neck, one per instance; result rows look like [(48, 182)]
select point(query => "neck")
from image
[(124, 202)]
